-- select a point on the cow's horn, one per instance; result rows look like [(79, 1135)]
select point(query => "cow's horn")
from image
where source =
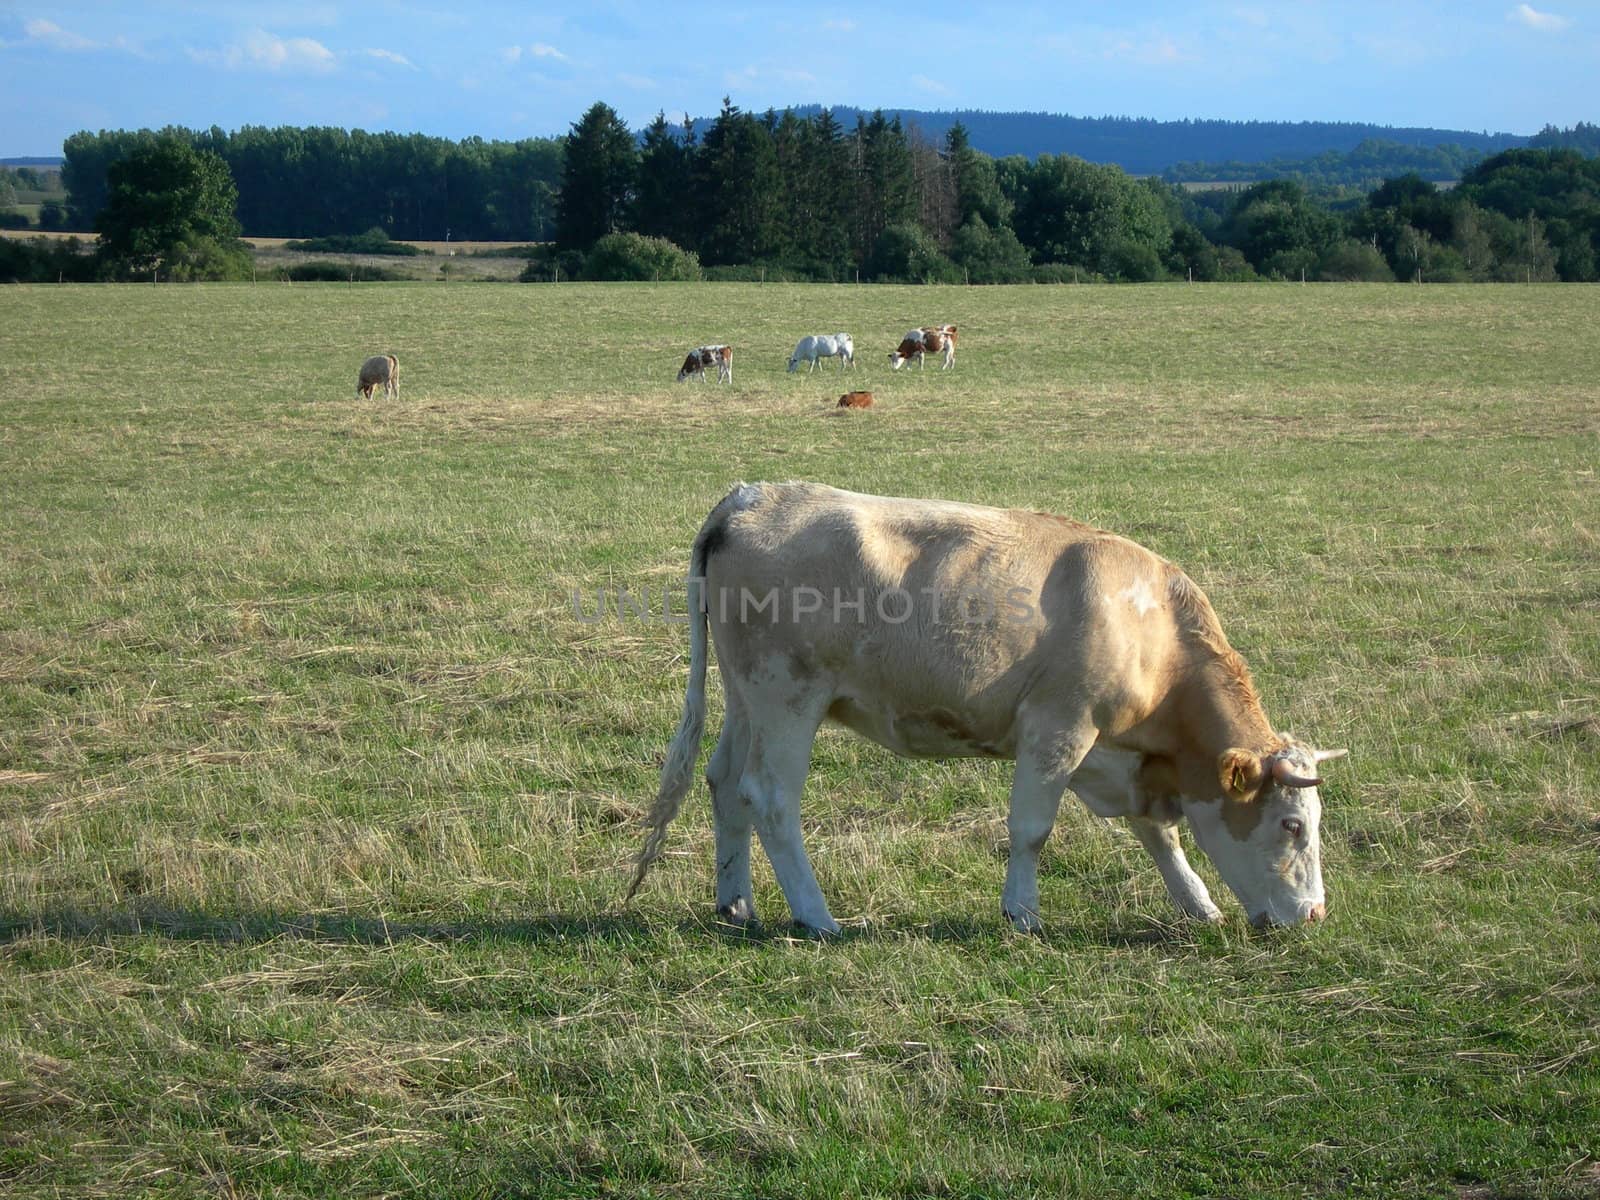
[(1283, 772), (1325, 755)]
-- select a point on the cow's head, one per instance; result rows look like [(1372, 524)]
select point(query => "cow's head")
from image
[(1263, 831)]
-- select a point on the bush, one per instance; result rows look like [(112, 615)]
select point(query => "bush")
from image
[(1351, 261), (14, 220), (633, 256), (46, 260), (373, 241), (1129, 261), (989, 255), (906, 254), (52, 215), (768, 273), (322, 270), (529, 251), (549, 265), (1061, 273), (209, 259), (1233, 266)]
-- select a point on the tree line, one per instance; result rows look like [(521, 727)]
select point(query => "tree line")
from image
[(803, 196), (781, 195), (301, 182)]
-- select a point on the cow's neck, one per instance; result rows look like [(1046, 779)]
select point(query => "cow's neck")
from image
[(1222, 710)]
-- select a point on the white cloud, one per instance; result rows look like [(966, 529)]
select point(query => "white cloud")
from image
[(511, 53), (1157, 51), (399, 60), (264, 51), (57, 38), (929, 85), (1542, 22), (840, 25), (639, 82), (540, 50)]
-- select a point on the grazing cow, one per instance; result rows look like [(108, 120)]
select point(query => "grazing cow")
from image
[(702, 357), (381, 369), (856, 400), (818, 346), (930, 339), (938, 629)]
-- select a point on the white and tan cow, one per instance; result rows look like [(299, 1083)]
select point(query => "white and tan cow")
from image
[(702, 357), (938, 629), (813, 348), (381, 370), (930, 339)]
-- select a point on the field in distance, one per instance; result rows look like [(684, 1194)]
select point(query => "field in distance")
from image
[(317, 794)]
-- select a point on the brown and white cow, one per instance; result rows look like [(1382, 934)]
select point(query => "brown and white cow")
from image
[(938, 629), (930, 339), (702, 357)]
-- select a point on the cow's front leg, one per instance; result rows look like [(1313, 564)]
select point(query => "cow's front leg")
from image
[(1042, 775), (1188, 890)]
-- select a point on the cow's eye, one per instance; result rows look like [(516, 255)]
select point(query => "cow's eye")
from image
[(1294, 827)]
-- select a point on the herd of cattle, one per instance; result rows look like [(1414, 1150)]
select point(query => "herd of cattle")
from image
[(383, 370), (812, 349)]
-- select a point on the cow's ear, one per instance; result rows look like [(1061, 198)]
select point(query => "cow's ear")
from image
[(1241, 773)]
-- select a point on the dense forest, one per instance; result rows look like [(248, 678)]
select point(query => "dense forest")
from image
[(806, 196), (297, 182), (1142, 146)]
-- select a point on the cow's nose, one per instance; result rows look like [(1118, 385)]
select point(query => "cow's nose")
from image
[(1318, 911)]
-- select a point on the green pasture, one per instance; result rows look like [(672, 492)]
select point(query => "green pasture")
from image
[(317, 797)]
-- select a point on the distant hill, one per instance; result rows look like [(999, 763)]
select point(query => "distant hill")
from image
[(52, 163), (1142, 146)]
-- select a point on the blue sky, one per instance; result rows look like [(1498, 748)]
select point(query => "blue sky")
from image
[(503, 70)]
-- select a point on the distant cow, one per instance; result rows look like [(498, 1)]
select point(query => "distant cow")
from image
[(702, 357), (944, 630), (380, 369), (930, 339), (810, 350), (856, 400)]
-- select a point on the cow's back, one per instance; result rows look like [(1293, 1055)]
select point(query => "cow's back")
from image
[(928, 615)]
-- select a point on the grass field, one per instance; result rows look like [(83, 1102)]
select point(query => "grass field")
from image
[(316, 799)]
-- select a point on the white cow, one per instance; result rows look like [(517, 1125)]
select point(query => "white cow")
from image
[(818, 346), (939, 629)]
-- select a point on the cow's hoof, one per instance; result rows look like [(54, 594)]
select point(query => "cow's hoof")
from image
[(817, 932), (1024, 922), (740, 912)]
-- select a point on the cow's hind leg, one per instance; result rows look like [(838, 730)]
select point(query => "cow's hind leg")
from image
[(1188, 890), (774, 776), (732, 815), (1044, 767)]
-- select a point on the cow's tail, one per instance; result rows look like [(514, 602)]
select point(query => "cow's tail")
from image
[(677, 773)]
